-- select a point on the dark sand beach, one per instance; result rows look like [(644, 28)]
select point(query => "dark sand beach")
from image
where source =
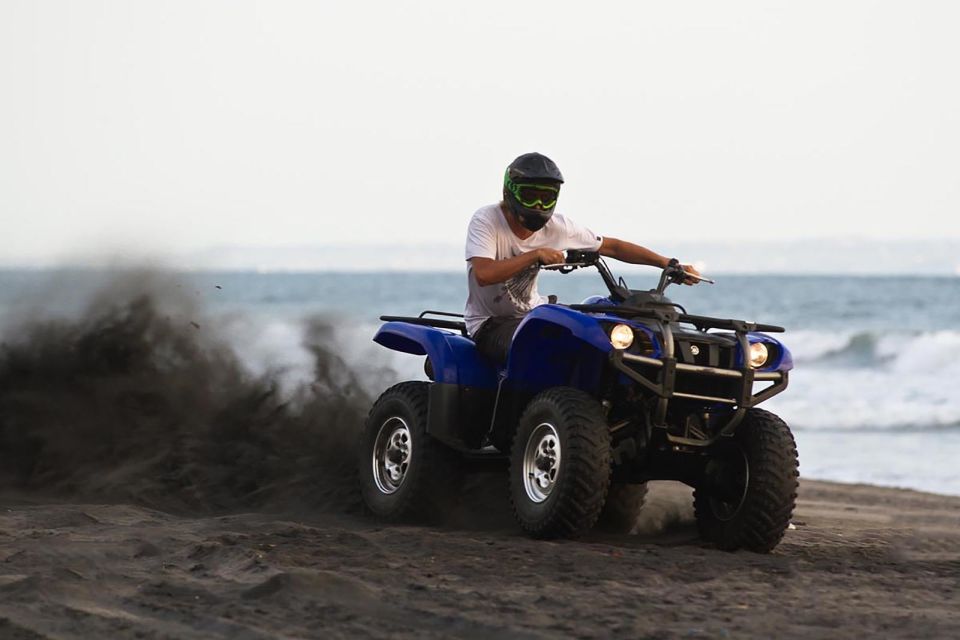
[(861, 562), (150, 487)]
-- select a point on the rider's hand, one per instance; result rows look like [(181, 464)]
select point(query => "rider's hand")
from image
[(550, 256), (689, 268)]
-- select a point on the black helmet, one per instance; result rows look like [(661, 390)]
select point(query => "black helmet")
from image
[(531, 180)]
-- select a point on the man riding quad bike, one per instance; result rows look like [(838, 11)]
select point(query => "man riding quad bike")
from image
[(595, 400), (589, 402)]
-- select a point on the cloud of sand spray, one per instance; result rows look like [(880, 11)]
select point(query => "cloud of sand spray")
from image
[(143, 396), (137, 398)]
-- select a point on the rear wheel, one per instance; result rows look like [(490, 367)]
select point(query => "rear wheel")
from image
[(560, 464), (404, 473), (749, 487), (622, 508)]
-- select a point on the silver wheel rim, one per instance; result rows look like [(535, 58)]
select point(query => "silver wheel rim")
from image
[(541, 462), (392, 451)]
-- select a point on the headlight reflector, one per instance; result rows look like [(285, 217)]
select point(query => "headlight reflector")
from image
[(758, 355), (621, 336)]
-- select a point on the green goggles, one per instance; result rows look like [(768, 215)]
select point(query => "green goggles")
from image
[(531, 195)]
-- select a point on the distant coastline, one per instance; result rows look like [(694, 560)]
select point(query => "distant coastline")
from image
[(810, 256)]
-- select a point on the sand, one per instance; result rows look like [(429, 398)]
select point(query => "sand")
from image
[(861, 562), (163, 491)]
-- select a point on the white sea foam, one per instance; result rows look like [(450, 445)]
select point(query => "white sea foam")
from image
[(897, 458), (874, 381), (873, 396), (811, 345), (273, 347), (851, 381), (280, 348)]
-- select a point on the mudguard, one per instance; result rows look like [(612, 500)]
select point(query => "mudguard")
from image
[(557, 346), (454, 358)]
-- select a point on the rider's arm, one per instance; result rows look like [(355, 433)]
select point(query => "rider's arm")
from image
[(488, 271), (632, 253), (635, 254)]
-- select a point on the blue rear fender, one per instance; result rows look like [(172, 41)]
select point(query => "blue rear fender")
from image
[(454, 358), (557, 346)]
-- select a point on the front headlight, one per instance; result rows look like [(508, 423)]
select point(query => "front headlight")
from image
[(758, 355), (621, 336)]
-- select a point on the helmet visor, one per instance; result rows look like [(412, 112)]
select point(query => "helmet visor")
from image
[(532, 195)]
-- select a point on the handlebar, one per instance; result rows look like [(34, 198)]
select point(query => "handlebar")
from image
[(673, 273), (575, 260), (699, 278)]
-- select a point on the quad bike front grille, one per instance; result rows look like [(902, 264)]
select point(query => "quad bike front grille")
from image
[(704, 353)]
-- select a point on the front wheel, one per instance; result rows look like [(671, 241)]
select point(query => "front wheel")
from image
[(749, 487), (404, 473), (560, 464)]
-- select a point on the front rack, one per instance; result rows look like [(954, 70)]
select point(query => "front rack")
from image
[(670, 315)]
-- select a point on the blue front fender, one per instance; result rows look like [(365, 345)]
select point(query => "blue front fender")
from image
[(783, 361), (557, 346)]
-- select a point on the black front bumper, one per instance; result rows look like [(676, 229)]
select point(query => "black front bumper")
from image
[(660, 376)]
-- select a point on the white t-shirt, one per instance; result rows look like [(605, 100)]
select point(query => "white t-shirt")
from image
[(489, 236)]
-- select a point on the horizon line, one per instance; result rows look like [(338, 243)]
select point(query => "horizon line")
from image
[(414, 271)]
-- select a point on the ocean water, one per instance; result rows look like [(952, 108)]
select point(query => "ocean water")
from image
[(874, 397)]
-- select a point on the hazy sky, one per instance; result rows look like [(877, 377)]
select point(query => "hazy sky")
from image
[(173, 126)]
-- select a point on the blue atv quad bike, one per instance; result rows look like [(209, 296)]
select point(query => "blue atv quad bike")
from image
[(595, 400)]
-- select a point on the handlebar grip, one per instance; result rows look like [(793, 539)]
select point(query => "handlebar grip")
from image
[(580, 256)]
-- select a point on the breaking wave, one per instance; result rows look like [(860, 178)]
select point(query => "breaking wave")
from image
[(137, 393), (878, 380)]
